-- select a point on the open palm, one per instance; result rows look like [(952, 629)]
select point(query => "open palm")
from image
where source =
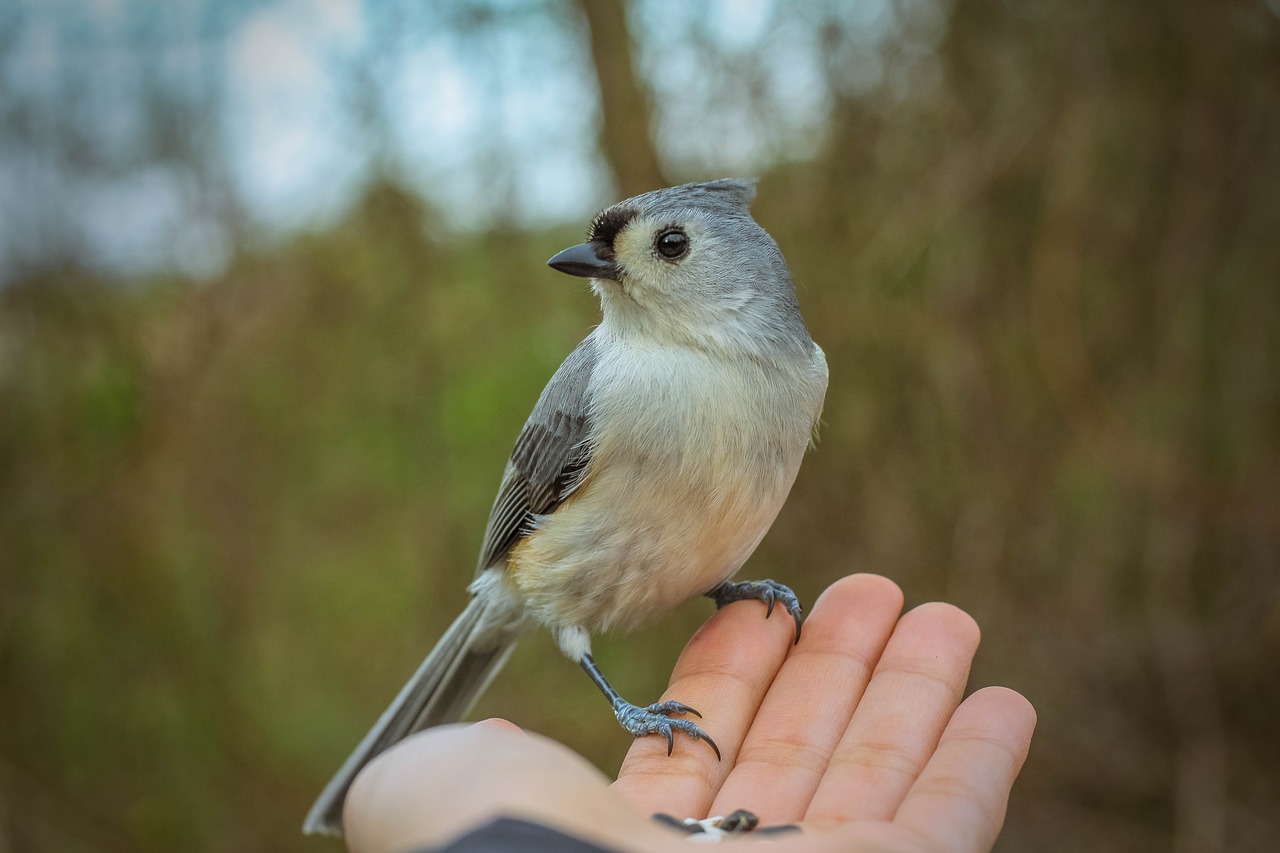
[(857, 733)]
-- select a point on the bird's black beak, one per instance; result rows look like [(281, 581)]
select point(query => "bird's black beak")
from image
[(584, 260)]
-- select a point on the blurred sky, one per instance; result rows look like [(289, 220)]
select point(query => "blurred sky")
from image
[(142, 137)]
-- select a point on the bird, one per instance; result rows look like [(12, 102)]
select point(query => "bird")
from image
[(653, 463)]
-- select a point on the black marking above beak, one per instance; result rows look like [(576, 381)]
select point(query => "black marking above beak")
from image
[(584, 261)]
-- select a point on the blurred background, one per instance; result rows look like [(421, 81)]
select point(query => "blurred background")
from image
[(273, 307)]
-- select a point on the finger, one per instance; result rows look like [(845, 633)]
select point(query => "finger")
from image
[(915, 688), (810, 703), (959, 801), (724, 672)]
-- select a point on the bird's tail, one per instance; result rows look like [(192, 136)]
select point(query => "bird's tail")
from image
[(443, 689)]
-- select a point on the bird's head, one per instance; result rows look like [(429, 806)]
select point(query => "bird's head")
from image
[(689, 264)]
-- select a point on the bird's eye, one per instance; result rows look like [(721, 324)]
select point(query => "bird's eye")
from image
[(672, 244)]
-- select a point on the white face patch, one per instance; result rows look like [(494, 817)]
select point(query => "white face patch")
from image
[(645, 269)]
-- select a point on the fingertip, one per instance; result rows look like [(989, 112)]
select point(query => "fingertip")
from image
[(1013, 712), (498, 724), (864, 586), (741, 632), (854, 616), (1006, 696), (949, 620)]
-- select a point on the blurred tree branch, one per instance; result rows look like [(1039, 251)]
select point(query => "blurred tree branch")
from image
[(625, 125)]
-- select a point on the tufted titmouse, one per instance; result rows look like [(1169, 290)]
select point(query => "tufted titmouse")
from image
[(652, 465)]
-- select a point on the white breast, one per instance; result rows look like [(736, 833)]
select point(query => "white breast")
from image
[(694, 456)]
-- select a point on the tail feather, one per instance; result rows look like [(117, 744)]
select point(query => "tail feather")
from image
[(443, 690)]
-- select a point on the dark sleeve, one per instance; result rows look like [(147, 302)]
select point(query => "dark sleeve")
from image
[(510, 835)]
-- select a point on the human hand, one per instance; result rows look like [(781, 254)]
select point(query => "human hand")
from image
[(857, 733)]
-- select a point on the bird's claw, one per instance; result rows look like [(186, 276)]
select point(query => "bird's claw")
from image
[(668, 708), (770, 592), (656, 719)]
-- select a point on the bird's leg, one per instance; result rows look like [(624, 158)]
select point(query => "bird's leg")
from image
[(770, 592), (654, 719)]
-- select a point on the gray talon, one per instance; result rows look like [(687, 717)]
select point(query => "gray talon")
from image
[(770, 592), (667, 708), (655, 720)]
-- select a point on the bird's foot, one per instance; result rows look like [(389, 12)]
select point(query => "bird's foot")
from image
[(656, 719), (726, 826), (770, 592)]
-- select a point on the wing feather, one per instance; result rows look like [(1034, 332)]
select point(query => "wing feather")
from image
[(550, 459)]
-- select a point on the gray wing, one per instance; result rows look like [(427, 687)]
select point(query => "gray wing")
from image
[(550, 457)]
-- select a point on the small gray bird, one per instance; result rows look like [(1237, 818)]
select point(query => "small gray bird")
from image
[(652, 465)]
